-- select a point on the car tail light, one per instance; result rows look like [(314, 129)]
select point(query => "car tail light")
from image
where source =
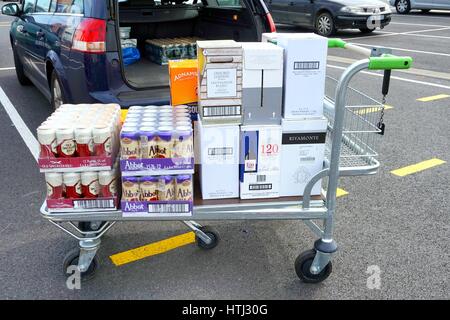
[(90, 36), (271, 23)]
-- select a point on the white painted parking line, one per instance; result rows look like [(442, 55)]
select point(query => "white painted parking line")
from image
[(6, 69), (20, 125), (419, 24), (427, 30), (396, 78), (407, 50)]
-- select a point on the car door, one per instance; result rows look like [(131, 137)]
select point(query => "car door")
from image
[(302, 12), (24, 42), (441, 4), (280, 10)]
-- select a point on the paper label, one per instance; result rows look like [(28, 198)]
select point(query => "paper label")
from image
[(221, 83)]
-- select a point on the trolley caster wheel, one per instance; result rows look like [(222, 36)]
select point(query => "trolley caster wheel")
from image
[(212, 234), (303, 264), (71, 259), (86, 226)]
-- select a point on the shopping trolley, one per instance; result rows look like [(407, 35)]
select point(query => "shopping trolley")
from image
[(355, 127)]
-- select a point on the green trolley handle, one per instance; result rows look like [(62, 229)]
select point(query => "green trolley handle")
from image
[(383, 62)]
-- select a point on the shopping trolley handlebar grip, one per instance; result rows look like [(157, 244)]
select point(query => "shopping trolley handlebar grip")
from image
[(389, 62)]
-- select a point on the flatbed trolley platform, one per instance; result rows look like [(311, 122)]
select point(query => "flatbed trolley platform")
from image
[(355, 126)]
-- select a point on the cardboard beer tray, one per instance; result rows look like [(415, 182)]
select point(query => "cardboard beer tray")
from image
[(175, 208), (82, 205), (78, 164), (156, 166)]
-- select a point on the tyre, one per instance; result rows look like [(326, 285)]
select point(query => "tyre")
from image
[(23, 79), (366, 30), (87, 226), (425, 10), (71, 259), (303, 264), (212, 234), (402, 6), (57, 96), (324, 25)]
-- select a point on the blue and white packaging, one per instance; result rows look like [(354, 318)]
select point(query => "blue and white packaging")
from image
[(260, 160)]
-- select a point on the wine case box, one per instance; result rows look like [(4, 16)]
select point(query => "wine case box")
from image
[(302, 154), (217, 150), (260, 161)]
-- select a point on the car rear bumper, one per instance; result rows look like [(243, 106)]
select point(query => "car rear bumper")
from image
[(356, 22)]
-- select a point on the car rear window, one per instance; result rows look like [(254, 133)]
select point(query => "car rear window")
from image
[(70, 6)]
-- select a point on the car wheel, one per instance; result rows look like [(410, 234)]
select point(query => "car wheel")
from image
[(425, 10), (23, 79), (57, 96), (325, 24), (403, 6), (366, 30)]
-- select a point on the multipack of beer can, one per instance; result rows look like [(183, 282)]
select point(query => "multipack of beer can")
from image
[(160, 51), (78, 135)]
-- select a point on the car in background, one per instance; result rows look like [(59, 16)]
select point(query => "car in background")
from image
[(405, 6), (328, 16), (71, 50)]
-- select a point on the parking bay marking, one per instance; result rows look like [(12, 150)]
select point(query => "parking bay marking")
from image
[(29, 139), (340, 192), (6, 69), (433, 98), (414, 168), (406, 50), (152, 249)]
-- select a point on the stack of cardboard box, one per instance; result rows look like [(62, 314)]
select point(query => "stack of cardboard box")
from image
[(261, 131)]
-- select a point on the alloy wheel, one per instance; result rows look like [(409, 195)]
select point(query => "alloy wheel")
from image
[(402, 5), (324, 25), (57, 94)]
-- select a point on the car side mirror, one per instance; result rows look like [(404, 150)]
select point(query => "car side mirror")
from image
[(11, 9)]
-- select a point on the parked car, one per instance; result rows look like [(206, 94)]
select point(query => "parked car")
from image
[(71, 50), (327, 16), (405, 6)]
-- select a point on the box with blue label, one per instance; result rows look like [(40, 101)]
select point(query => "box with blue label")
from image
[(260, 161)]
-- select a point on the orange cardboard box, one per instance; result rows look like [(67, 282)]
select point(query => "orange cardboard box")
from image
[(183, 81)]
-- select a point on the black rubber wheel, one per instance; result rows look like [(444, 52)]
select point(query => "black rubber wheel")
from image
[(86, 226), (23, 79), (213, 234), (402, 6), (425, 10), (324, 25), (71, 259), (366, 30), (57, 95), (303, 265)]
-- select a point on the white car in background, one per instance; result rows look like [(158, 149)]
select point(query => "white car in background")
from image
[(404, 6)]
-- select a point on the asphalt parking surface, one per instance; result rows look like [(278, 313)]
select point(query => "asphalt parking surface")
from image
[(400, 224)]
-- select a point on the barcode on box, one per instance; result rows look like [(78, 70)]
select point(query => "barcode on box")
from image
[(222, 111), (220, 151), (94, 204), (169, 208), (306, 65), (266, 186), (306, 159), (261, 178)]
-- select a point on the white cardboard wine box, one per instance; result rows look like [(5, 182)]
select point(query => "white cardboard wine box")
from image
[(262, 83), (302, 154), (217, 152), (260, 161), (305, 62)]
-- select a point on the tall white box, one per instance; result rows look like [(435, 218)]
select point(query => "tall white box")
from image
[(302, 154), (260, 161), (262, 83), (217, 151), (305, 63)]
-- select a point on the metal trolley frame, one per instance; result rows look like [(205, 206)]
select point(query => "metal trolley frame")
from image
[(353, 130)]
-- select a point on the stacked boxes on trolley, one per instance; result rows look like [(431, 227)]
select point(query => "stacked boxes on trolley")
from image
[(261, 131)]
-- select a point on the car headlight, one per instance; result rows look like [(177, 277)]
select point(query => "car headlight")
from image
[(352, 9)]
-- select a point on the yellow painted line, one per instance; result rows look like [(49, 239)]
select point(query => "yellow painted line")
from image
[(371, 109), (341, 192), (417, 167), (433, 98), (123, 114), (153, 249)]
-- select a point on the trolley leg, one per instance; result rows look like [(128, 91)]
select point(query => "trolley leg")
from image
[(194, 226), (88, 250), (324, 247)]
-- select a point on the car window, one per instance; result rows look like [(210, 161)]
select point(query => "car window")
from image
[(42, 5), (70, 6), (229, 3), (28, 6)]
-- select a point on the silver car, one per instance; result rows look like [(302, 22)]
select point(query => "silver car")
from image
[(404, 6)]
